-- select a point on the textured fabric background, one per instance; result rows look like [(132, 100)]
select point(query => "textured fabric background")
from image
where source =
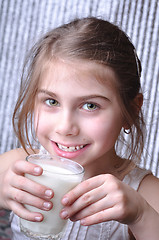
[(23, 22)]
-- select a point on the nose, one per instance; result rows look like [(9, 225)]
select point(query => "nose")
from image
[(67, 124)]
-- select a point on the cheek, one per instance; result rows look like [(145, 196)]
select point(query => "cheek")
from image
[(36, 120), (105, 129), (95, 128), (40, 123)]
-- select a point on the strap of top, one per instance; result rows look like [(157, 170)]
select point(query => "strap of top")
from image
[(135, 177)]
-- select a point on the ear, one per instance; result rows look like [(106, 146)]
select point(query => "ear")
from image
[(137, 103)]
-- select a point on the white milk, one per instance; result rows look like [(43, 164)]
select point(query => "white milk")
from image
[(61, 181)]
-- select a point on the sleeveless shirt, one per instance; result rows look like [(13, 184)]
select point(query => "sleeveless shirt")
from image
[(111, 230)]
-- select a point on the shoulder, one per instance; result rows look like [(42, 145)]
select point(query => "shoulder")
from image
[(149, 182), (149, 189), (7, 158), (19, 153), (135, 176)]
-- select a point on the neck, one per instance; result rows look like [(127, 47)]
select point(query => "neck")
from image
[(109, 164)]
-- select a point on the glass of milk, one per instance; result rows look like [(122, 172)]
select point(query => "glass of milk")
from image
[(61, 175)]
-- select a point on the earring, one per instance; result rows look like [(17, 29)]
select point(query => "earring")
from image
[(127, 131)]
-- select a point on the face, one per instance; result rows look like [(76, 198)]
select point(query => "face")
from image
[(76, 115)]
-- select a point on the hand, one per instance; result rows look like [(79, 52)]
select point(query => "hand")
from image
[(16, 190), (103, 198)]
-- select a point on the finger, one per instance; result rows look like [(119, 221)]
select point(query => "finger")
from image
[(82, 203), (21, 166), (105, 205), (26, 198), (103, 216), (81, 189), (99, 206), (109, 214), (24, 213), (34, 188)]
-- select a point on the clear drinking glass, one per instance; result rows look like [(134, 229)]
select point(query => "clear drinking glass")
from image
[(61, 175)]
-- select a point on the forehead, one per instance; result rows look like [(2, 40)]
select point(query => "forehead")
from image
[(80, 73)]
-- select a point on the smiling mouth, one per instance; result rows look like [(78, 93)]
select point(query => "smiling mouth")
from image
[(71, 148)]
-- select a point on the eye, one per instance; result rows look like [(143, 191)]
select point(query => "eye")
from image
[(51, 102), (90, 106)]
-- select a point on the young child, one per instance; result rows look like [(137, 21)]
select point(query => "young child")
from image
[(82, 91)]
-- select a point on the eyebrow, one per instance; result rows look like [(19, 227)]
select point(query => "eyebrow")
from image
[(44, 91), (84, 98)]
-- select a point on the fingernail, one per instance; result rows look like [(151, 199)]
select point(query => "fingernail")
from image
[(47, 205), (64, 214), (48, 193), (65, 200), (37, 170), (38, 218), (83, 222)]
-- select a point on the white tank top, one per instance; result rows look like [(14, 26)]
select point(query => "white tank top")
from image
[(111, 230)]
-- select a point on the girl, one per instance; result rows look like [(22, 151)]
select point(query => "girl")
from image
[(81, 92)]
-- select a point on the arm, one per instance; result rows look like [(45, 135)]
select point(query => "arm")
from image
[(104, 198), (8, 158), (16, 189), (147, 227)]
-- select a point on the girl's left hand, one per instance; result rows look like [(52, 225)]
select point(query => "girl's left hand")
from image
[(103, 198)]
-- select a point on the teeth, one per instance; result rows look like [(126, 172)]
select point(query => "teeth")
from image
[(69, 149), (78, 147)]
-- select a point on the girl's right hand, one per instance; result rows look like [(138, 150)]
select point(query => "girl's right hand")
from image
[(17, 190)]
